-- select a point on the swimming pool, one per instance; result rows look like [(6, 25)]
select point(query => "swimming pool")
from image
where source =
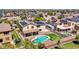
[(41, 39)]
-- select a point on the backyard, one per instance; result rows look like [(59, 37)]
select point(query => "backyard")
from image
[(54, 37)]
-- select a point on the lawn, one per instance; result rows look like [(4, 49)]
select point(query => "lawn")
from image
[(70, 46), (54, 37)]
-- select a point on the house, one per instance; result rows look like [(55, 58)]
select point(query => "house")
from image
[(12, 18), (51, 26), (28, 29), (40, 25), (53, 19), (65, 25), (30, 18), (74, 20), (5, 33)]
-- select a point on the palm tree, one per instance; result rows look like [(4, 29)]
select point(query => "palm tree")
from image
[(28, 44)]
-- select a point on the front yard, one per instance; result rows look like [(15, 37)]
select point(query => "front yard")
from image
[(70, 46)]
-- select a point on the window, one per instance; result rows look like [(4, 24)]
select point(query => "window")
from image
[(6, 33), (60, 24), (40, 29), (32, 26), (27, 27), (1, 40), (28, 34), (35, 33), (38, 25)]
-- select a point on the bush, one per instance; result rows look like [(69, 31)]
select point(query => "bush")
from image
[(75, 42), (50, 13), (8, 46), (58, 47), (60, 17), (77, 38)]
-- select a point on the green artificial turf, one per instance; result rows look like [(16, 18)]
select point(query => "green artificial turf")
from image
[(54, 37)]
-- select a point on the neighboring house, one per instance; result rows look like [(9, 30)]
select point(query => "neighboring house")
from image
[(53, 19), (5, 33), (28, 29), (50, 27), (29, 18), (41, 25), (65, 26), (74, 20), (12, 18)]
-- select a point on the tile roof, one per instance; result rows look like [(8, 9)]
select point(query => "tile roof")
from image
[(5, 27), (49, 43)]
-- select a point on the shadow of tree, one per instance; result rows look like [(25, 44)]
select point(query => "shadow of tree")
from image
[(76, 42)]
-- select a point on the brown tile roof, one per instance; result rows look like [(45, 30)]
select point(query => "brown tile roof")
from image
[(5, 27), (49, 43)]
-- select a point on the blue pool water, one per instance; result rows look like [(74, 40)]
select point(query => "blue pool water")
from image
[(40, 39)]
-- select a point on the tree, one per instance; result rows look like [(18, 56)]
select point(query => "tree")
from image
[(60, 17), (50, 13), (40, 46), (40, 15), (39, 19), (77, 38), (7, 21), (0, 21), (23, 15), (8, 46)]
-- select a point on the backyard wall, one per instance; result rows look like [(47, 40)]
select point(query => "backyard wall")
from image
[(52, 44), (67, 40)]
